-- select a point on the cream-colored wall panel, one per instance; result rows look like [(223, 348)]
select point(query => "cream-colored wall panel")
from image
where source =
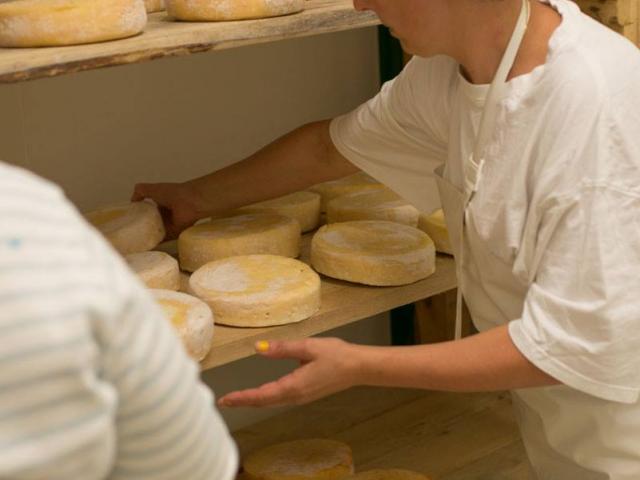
[(12, 144), (99, 132), (254, 371)]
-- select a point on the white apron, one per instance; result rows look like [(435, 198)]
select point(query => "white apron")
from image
[(568, 434)]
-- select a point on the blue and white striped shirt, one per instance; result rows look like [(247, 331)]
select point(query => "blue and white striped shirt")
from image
[(94, 383)]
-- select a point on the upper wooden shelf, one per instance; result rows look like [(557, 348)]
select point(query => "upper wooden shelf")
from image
[(164, 38), (342, 303)]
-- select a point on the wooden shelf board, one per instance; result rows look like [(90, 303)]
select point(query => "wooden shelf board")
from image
[(342, 303), (448, 436), (165, 38)]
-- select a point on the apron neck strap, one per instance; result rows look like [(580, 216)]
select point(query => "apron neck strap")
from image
[(497, 87)]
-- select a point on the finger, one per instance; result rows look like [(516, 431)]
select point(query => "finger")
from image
[(294, 350), (277, 393)]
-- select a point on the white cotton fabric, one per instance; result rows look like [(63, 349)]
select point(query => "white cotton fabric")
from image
[(94, 383), (558, 203)]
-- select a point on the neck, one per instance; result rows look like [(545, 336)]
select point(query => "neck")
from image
[(487, 32)]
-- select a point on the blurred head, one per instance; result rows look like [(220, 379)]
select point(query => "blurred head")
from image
[(422, 26), (432, 27)]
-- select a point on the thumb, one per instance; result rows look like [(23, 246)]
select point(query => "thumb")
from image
[(140, 192), (293, 350)]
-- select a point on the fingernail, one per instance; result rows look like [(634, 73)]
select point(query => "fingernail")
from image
[(262, 346)]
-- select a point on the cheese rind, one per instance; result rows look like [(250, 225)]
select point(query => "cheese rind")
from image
[(222, 10), (156, 269), (41, 23), (191, 318), (154, 5), (358, 182), (373, 253), (372, 205), (248, 234), (435, 226), (131, 228), (389, 474), (258, 290), (309, 459), (301, 206)]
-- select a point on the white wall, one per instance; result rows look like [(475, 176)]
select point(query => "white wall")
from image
[(97, 133)]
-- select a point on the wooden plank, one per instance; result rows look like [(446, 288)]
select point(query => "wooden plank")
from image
[(447, 436), (165, 38), (342, 303)]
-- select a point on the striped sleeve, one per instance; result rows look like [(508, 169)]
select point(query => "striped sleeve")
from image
[(93, 382)]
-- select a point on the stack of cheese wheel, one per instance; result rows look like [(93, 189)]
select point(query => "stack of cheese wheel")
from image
[(372, 205), (389, 474), (435, 226), (191, 318), (221, 10), (310, 459), (131, 228), (359, 182), (156, 269), (154, 5), (241, 235), (373, 253), (258, 290), (41, 23), (301, 206)]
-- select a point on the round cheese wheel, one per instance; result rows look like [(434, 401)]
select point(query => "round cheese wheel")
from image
[(310, 459), (301, 206), (154, 5), (131, 228), (155, 269), (388, 474), (359, 182), (191, 318), (258, 290), (240, 235), (221, 10), (41, 23), (435, 226), (373, 253), (372, 205)]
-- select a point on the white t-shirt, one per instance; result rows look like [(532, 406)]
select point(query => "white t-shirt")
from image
[(559, 199), (94, 383)]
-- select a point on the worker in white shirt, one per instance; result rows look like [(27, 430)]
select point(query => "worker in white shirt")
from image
[(523, 118), (94, 383)]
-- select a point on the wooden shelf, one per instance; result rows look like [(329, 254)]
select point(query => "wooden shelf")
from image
[(447, 436), (165, 38), (342, 303)]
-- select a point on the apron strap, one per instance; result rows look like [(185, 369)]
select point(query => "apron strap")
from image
[(473, 167)]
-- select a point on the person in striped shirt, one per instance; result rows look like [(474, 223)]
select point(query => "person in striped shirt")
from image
[(93, 382)]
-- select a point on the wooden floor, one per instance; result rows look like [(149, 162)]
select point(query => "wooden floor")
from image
[(446, 436)]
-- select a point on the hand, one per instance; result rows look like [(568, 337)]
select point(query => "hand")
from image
[(178, 203), (327, 365)]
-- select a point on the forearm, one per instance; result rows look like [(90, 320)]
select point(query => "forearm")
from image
[(293, 162), (487, 361)]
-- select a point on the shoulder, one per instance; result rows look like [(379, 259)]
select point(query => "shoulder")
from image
[(589, 61)]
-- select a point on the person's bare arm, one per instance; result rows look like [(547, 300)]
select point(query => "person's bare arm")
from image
[(484, 362), (293, 162)]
